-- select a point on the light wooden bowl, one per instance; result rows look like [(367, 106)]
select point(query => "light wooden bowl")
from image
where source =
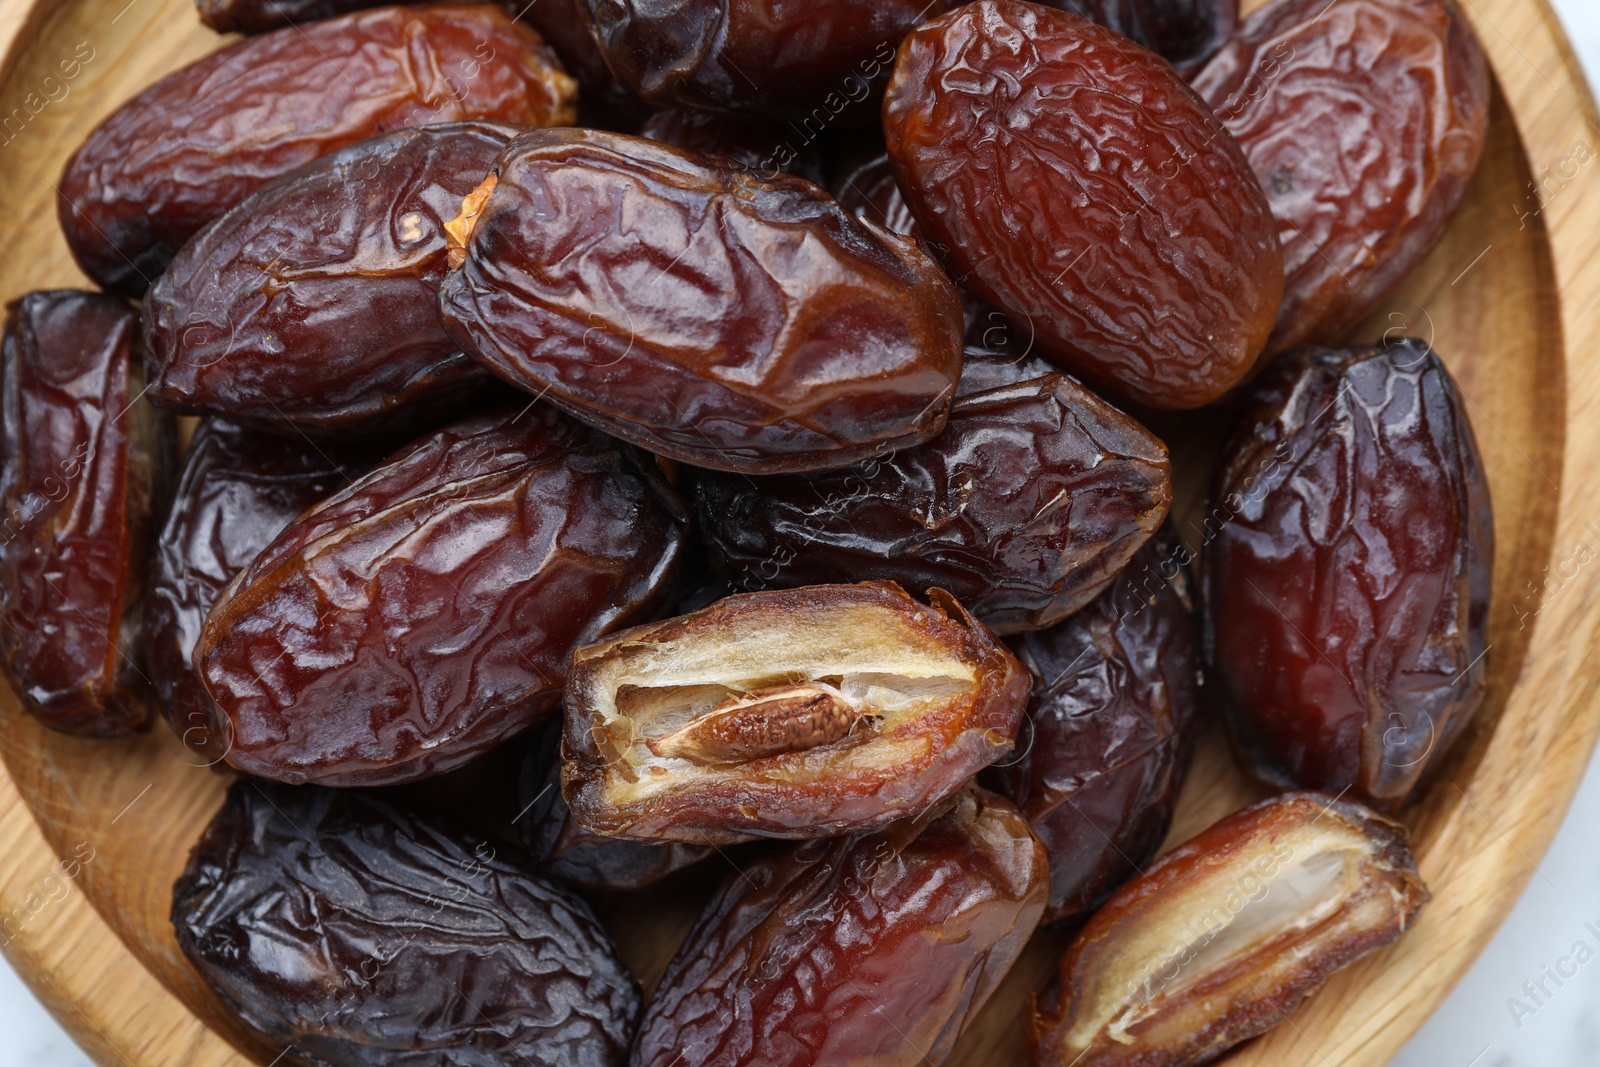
[(92, 834)]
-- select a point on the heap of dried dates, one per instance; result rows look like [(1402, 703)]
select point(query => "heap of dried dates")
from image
[(742, 390)]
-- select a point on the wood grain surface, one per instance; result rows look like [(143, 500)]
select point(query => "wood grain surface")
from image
[(92, 834)]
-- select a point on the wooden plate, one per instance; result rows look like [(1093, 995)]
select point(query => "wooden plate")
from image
[(92, 834)]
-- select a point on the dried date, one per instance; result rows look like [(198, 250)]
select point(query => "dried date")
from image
[(1110, 729), (1364, 121), (258, 16), (763, 149), (238, 489), (816, 62), (313, 305), (564, 24), (200, 140), (1226, 935), (567, 851), (1024, 509), (872, 949), (335, 924), (800, 713), (1347, 583), (1079, 186), (82, 476), (1184, 32), (426, 613), (726, 321)]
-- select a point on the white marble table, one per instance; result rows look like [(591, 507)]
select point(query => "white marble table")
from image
[(1516, 1008)]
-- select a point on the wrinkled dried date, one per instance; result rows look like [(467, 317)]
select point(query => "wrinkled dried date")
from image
[(237, 491), (865, 184), (1185, 32), (727, 321), (873, 949), (1364, 121), (426, 613), (1080, 187), (314, 304), (565, 26), (567, 851), (82, 476), (258, 16), (1024, 508), (761, 148), (1347, 584), (817, 62), (360, 937), (203, 138), (1110, 729), (1227, 934), (800, 713)]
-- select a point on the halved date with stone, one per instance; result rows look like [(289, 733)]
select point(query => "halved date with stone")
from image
[(1110, 729), (876, 949), (313, 305), (82, 478), (203, 138), (814, 62), (1184, 32), (1364, 121), (1024, 508), (238, 490), (800, 713), (359, 936), (427, 612), (567, 851), (1226, 935), (1080, 186), (739, 323), (1347, 584)]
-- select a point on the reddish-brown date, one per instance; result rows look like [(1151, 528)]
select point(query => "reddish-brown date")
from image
[(863, 180), (343, 928), (203, 138), (1110, 729), (717, 318), (798, 713), (764, 149), (426, 613), (82, 476), (1347, 583), (1226, 935), (875, 949), (1184, 32), (1364, 121), (567, 851), (1024, 508), (238, 489), (1082, 188), (313, 306), (564, 24), (814, 62)]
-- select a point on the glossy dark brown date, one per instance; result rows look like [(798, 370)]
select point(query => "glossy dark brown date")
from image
[(798, 713), (1024, 508), (82, 476), (873, 949), (1347, 582), (732, 322), (1184, 32), (1364, 121), (1110, 729), (203, 138), (237, 491), (313, 306), (567, 851), (817, 62), (426, 613), (336, 925), (762, 148), (258, 16), (1079, 186)]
